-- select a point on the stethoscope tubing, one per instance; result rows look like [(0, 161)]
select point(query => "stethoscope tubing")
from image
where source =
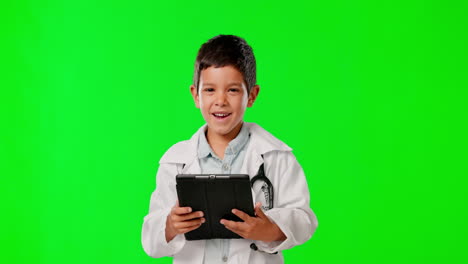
[(261, 176)]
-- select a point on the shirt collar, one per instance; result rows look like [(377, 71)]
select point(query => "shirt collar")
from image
[(233, 148), (261, 142), (204, 148)]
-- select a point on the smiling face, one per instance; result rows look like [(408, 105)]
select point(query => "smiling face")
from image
[(222, 98)]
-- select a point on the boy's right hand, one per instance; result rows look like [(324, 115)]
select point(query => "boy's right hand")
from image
[(182, 220)]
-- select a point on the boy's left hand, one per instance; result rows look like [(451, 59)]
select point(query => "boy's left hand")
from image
[(254, 228)]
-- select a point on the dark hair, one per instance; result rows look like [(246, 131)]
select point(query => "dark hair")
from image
[(227, 50)]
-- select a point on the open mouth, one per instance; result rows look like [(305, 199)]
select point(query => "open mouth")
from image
[(221, 116)]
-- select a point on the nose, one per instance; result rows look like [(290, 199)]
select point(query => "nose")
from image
[(221, 98)]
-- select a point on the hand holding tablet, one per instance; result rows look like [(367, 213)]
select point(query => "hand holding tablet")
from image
[(259, 227), (182, 220), (216, 195)]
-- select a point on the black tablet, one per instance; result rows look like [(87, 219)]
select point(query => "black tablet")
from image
[(215, 195)]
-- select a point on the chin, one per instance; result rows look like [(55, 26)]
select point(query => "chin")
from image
[(222, 130)]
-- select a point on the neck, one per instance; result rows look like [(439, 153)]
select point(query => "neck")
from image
[(219, 142)]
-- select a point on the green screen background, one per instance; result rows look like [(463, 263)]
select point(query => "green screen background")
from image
[(371, 95)]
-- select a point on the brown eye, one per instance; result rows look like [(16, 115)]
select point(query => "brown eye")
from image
[(208, 90)]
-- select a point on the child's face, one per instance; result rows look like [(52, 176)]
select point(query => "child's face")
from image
[(222, 98)]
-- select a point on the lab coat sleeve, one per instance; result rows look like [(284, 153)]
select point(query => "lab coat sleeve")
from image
[(153, 236), (291, 212)]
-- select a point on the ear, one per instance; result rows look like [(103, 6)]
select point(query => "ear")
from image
[(253, 95), (194, 92)]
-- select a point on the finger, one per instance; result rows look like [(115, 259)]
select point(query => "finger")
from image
[(186, 230), (259, 212), (185, 217), (233, 225), (240, 233), (188, 224), (181, 210), (245, 217)]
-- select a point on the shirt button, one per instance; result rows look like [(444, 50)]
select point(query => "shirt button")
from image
[(225, 167), (225, 258)]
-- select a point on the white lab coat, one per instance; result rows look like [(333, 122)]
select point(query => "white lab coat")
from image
[(291, 210)]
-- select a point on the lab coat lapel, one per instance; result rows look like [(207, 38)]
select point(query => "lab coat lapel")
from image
[(252, 162), (193, 167)]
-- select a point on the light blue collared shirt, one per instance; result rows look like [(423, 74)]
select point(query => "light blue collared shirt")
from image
[(217, 250)]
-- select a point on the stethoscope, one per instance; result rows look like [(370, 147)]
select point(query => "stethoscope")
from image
[(267, 189)]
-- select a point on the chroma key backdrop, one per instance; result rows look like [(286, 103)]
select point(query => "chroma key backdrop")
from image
[(371, 96)]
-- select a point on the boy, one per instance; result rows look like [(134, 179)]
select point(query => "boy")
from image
[(224, 86)]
